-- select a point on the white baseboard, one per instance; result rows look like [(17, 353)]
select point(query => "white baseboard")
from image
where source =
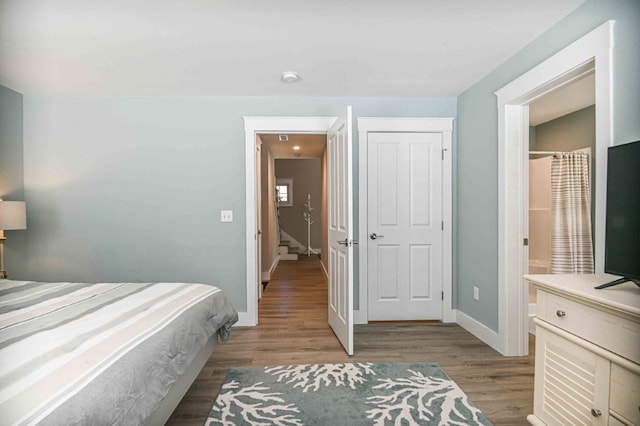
[(478, 329), (326, 273), (532, 326), (532, 315), (266, 275), (243, 320)]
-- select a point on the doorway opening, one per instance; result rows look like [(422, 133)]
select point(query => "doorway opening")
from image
[(560, 168), (292, 182)]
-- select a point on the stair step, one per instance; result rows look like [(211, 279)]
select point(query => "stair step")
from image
[(294, 250), (285, 243)]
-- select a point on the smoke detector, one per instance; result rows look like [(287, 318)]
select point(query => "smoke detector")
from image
[(290, 77)]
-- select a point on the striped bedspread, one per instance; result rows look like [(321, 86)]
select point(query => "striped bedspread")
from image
[(73, 353)]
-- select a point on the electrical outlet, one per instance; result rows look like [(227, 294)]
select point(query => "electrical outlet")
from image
[(476, 293), (226, 215)]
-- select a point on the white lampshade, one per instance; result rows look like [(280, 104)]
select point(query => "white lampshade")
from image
[(13, 215)]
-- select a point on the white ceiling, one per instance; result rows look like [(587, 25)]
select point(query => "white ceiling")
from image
[(311, 145), (565, 100), (240, 47)]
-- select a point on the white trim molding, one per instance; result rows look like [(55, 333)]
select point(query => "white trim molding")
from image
[(244, 320), (252, 127), (422, 125), (266, 275), (324, 270), (594, 51), (479, 330)]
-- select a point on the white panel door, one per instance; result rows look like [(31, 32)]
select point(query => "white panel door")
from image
[(340, 212), (404, 226)]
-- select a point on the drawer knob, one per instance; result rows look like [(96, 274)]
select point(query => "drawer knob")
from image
[(561, 314), (595, 412)]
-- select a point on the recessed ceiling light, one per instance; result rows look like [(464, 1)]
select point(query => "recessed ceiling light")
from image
[(283, 138), (290, 77), (296, 148)]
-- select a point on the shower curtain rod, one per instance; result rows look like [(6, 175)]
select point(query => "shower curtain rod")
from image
[(550, 152), (543, 152)]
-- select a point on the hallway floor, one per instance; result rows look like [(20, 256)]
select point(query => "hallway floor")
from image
[(293, 329)]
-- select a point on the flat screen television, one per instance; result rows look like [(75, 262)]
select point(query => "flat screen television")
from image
[(622, 239)]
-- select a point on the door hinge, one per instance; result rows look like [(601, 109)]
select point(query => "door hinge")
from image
[(526, 242), (443, 150), (442, 225), (442, 295)]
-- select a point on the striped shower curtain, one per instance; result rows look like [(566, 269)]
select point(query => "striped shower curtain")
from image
[(571, 241)]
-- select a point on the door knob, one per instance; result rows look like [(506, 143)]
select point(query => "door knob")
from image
[(344, 243), (375, 236)]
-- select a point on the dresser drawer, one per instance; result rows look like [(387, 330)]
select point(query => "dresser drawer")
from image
[(614, 333), (624, 394)]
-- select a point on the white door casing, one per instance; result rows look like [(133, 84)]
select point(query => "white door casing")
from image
[(405, 226), (340, 228), (439, 126), (594, 49)]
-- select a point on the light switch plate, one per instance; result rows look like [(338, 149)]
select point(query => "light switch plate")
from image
[(226, 215)]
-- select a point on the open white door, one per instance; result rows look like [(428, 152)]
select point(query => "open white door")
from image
[(340, 208), (259, 184)]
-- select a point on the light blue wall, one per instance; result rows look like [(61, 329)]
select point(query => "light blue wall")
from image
[(11, 161), (477, 212), (131, 188), (11, 167)]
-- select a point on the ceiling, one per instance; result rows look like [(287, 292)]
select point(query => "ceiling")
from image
[(565, 100), (240, 47), (311, 146)]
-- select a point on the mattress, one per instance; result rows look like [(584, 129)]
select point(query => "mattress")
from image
[(74, 353)]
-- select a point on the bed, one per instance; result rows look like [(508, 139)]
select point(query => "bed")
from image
[(108, 353)]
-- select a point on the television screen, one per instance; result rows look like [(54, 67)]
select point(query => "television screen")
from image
[(622, 240)]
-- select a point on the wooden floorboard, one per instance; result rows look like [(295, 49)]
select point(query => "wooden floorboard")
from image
[(293, 329)]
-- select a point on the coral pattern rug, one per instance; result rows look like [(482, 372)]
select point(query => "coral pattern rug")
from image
[(343, 394)]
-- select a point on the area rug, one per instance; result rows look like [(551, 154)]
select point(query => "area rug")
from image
[(343, 394)]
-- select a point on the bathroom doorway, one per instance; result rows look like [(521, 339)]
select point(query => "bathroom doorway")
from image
[(561, 124)]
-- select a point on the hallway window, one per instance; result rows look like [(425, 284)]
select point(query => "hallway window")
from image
[(284, 191)]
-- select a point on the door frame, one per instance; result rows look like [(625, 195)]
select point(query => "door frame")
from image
[(595, 48), (254, 125), (421, 125)]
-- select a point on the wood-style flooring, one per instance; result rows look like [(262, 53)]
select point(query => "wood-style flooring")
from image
[(293, 329)]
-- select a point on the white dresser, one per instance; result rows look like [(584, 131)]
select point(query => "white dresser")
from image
[(587, 351)]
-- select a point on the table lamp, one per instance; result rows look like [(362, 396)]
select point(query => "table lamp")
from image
[(13, 215)]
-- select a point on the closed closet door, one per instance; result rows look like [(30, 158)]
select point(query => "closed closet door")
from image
[(404, 198)]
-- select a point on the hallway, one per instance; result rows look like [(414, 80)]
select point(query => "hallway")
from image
[(293, 329)]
